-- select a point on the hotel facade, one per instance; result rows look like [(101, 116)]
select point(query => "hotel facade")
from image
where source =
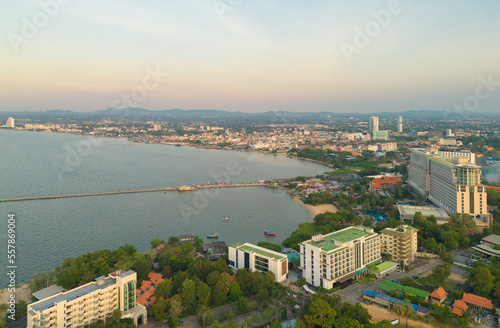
[(88, 303), (400, 243), (450, 180), (339, 256), (256, 258)]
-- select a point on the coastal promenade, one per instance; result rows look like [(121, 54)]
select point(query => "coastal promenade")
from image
[(194, 188)]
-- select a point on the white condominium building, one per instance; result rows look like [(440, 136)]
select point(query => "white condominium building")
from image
[(339, 256), (10, 123), (88, 303), (256, 258), (450, 180)]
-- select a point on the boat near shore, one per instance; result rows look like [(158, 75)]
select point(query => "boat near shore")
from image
[(213, 235), (225, 218)]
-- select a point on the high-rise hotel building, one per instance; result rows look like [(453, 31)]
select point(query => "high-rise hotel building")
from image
[(88, 303), (450, 180), (373, 124), (339, 256)]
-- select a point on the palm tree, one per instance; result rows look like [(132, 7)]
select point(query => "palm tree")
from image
[(399, 309), (116, 315), (408, 310)]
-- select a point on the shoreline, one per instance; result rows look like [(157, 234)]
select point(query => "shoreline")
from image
[(317, 209), (183, 144)]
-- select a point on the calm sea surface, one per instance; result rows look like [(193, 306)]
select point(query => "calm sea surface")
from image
[(48, 231)]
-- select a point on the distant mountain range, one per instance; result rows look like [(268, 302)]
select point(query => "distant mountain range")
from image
[(222, 114)]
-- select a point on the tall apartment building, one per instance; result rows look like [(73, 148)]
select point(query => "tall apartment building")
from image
[(450, 180), (339, 256), (400, 243), (256, 258), (373, 124), (400, 124), (88, 303), (10, 123)]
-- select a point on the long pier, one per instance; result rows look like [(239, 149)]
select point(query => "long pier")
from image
[(181, 189)]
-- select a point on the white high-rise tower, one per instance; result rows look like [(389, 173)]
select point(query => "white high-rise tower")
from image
[(400, 124), (373, 124)]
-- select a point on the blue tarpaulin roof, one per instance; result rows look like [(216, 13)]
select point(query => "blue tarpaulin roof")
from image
[(387, 298)]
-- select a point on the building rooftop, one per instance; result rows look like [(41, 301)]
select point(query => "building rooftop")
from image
[(77, 292), (477, 301), (425, 210), (389, 286), (384, 266), (399, 231), (260, 250), (341, 236), (492, 239), (47, 292)]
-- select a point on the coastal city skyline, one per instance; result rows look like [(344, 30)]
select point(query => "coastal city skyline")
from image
[(247, 56)]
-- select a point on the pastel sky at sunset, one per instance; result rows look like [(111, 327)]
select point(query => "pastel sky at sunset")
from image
[(249, 55)]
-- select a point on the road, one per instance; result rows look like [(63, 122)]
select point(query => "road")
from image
[(351, 294)]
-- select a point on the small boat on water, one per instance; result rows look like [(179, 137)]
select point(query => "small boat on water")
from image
[(213, 235), (268, 232), (225, 218), (250, 215)]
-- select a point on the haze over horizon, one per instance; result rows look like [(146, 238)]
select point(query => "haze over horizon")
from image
[(250, 56)]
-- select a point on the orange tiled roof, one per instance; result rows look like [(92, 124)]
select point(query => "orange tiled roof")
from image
[(378, 182), (138, 291), (457, 311), (233, 278), (152, 290), (160, 281), (147, 295), (142, 300), (154, 277), (145, 284), (460, 305), (153, 299), (477, 301), (439, 293)]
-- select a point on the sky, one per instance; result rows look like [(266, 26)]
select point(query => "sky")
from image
[(250, 55)]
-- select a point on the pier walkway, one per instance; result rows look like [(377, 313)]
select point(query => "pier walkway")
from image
[(194, 188)]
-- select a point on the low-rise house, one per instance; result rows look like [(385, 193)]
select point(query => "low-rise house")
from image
[(438, 295), (477, 302), (379, 184)]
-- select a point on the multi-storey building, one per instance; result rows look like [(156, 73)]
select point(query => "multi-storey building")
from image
[(88, 303), (256, 258), (339, 256), (373, 124), (10, 123), (449, 180), (400, 243), (400, 124)]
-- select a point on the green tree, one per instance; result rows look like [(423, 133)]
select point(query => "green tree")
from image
[(175, 309), (173, 240), (164, 289), (235, 292), (275, 324), (204, 316), (481, 280), (116, 315), (399, 309), (189, 292), (218, 295), (322, 312), (202, 292), (159, 310), (155, 243), (242, 305)]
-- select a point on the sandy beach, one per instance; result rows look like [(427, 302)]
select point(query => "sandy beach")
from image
[(318, 209), (22, 293)]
